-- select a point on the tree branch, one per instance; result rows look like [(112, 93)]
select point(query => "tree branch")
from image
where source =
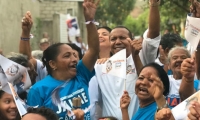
[(180, 6)]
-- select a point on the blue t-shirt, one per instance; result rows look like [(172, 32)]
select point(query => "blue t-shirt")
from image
[(196, 85), (40, 93), (146, 113)]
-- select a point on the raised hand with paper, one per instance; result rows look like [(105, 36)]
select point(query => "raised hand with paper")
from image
[(187, 84), (124, 103), (195, 8), (194, 113)]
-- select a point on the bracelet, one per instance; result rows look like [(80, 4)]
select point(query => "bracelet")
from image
[(164, 106), (93, 21), (25, 39), (154, 4)]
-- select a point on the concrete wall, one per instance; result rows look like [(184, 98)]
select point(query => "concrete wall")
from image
[(49, 8), (11, 13)]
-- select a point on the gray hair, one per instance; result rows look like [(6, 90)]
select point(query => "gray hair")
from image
[(18, 58), (37, 54), (178, 48)]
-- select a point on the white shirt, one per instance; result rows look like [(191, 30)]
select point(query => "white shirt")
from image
[(112, 87), (173, 98), (79, 45), (41, 71), (158, 62)]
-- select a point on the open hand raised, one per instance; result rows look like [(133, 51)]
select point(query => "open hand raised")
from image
[(90, 8)]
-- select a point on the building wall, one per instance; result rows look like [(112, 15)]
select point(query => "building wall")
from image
[(49, 8), (11, 14)]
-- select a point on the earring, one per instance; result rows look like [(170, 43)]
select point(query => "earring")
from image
[(54, 68)]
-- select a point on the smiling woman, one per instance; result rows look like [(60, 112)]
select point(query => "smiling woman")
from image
[(8, 109), (68, 76)]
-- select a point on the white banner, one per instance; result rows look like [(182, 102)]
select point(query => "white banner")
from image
[(21, 106), (116, 65), (14, 73), (192, 31), (181, 111)]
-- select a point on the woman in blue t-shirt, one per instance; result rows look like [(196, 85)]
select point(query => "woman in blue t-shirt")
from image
[(151, 88), (66, 75)]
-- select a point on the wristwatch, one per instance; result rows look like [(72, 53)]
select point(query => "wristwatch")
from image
[(164, 106)]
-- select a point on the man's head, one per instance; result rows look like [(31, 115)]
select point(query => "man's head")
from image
[(39, 114), (119, 41), (45, 35), (170, 40), (44, 44), (176, 57), (78, 39)]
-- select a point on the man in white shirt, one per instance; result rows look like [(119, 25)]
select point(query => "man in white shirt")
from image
[(80, 44), (112, 87)]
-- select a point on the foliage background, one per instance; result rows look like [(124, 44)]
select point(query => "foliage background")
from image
[(172, 12)]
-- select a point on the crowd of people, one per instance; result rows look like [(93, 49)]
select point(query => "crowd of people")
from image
[(68, 82)]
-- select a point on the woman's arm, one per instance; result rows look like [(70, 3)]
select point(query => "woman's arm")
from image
[(91, 55)]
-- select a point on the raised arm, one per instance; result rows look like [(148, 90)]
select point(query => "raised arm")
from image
[(136, 46), (91, 55), (154, 19), (187, 84), (151, 36), (24, 46)]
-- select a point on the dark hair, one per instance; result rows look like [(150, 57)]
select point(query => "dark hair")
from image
[(1, 93), (162, 75), (129, 32), (45, 112), (78, 49), (110, 118), (169, 40), (105, 27), (51, 53), (18, 58)]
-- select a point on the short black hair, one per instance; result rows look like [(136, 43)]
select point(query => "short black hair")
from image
[(1, 93), (161, 74), (109, 117), (105, 27), (45, 112), (129, 32), (170, 40), (78, 49)]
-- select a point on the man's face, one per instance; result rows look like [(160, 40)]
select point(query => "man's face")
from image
[(118, 39), (44, 46), (176, 59)]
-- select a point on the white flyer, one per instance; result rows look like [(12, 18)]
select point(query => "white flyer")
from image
[(192, 31), (116, 65), (181, 111)]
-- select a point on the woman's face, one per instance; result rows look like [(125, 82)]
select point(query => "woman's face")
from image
[(7, 106), (103, 38), (66, 62), (143, 83)]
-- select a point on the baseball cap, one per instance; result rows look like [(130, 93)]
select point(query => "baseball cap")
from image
[(44, 40)]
